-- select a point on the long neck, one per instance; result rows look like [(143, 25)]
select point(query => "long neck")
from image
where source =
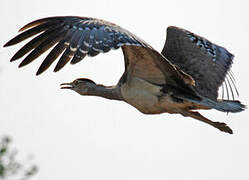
[(109, 92)]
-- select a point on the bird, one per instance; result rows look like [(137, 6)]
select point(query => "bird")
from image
[(183, 79)]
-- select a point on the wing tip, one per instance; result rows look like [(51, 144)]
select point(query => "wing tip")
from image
[(172, 27), (41, 21), (169, 28), (225, 53), (39, 72), (27, 26), (9, 43), (22, 64), (35, 23), (6, 44), (13, 59), (57, 68), (31, 24)]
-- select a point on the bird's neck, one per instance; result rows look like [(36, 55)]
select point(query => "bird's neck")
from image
[(109, 92)]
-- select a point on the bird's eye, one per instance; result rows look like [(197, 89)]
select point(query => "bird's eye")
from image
[(76, 82)]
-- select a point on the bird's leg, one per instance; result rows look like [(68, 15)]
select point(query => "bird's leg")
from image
[(196, 115)]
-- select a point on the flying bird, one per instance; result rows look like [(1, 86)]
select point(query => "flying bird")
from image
[(182, 79)]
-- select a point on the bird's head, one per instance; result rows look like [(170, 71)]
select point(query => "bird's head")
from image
[(81, 86)]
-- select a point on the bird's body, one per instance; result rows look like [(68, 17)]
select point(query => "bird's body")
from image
[(143, 95), (184, 77), (149, 98)]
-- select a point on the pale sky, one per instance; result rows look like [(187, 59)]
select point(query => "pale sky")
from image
[(90, 138)]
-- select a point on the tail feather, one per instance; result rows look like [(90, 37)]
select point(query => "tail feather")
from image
[(224, 105), (232, 105), (220, 105)]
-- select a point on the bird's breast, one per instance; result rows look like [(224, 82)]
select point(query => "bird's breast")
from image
[(149, 99), (142, 95)]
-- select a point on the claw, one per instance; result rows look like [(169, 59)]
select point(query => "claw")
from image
[(66, 86), (223, 127)]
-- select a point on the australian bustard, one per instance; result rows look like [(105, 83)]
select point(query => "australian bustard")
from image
[(183, 78)]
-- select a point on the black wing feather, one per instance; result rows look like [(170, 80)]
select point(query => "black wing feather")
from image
[(79, 55), (51, 57), (29, 33), (52, 39), (56, 51), (33, 43), (90, 37), (205, 61), (68, 53)]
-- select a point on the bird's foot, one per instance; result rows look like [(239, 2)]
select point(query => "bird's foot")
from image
[(223, 127)]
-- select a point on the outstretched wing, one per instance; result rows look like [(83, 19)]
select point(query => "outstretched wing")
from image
[(75, 37), (205, 61)]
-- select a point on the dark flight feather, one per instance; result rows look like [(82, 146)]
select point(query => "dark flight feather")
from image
[(79, 55), (205, 61), (53, 38), (33, 43), (29, 33), (51, 57), (68, 53), (90, 37)]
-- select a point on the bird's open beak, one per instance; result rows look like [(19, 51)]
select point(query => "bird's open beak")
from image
[(67, 86)]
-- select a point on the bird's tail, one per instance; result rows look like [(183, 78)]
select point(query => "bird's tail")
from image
[(225, 105), (220, 105)]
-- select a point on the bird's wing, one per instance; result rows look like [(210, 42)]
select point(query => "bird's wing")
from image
[(205, 61), (75, 37)]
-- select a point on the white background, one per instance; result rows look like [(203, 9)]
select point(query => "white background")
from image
[(90, 138)]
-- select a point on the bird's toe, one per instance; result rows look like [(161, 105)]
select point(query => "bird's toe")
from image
[(223, 127)]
